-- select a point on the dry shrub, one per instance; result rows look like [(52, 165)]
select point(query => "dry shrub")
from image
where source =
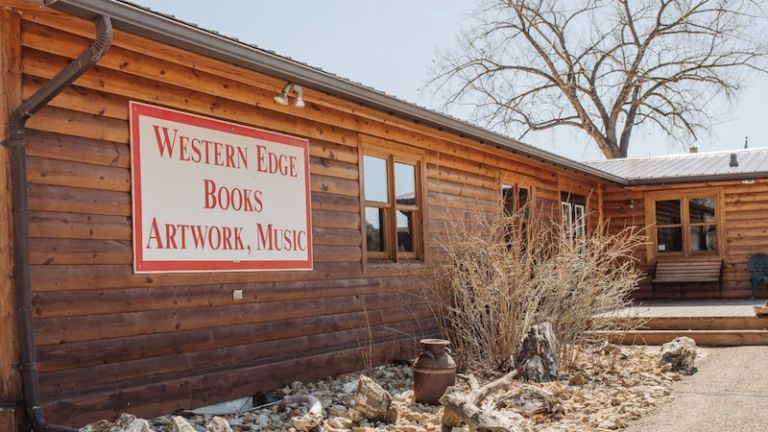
[(493, 280)]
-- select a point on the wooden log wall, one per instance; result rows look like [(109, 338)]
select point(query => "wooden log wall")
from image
[(742, 218), (111, 341)]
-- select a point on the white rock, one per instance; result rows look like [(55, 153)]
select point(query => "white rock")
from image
[(680, 354), (218, 424), (337, 410), (263, 420)]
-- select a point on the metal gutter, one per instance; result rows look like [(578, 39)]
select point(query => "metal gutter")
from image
[(695, 179), (165, 29), (21, 260)]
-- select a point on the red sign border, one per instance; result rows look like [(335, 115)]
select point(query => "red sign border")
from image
[(203, 266)]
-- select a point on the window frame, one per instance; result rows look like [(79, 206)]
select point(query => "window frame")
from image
[(685, 225), (519, 224), (391, 253), (579, 221), (571, 229)]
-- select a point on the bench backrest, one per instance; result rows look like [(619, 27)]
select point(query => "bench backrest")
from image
[(758, 264), (708, 270)]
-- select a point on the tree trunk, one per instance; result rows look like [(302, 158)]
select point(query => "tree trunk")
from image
[(536, 358)]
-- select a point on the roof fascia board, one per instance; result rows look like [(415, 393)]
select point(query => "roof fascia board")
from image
[(696, 179), (167, 30)]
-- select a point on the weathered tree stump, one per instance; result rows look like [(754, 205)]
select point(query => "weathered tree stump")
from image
[(536, 357)]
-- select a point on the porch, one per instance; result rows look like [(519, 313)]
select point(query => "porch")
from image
[(725, 322)]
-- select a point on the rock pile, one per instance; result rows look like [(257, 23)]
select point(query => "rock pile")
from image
[(606, 389)]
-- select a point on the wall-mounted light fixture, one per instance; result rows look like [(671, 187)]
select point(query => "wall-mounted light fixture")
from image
[(282, 98), (632, 203)]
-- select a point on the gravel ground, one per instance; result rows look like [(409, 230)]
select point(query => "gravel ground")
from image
[(728, 393)]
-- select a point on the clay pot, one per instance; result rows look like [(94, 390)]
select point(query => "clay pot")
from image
[(433, 372)]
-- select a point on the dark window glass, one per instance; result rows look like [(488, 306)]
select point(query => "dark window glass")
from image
[(374, 234), (567, 213), (668, 212), (704, 238), (670, 239), (701, 209), (573, 198), (375, 170), (405, 223), (508, 198), (405, 184), (523, 200)]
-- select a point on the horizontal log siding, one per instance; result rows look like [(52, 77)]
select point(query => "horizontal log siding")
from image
[(110, 340), (744, 221)]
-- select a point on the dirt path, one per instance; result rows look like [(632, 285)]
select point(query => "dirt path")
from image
[(729, 393)]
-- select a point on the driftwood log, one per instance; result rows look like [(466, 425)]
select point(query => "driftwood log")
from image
[(460, 407), (312, 419)]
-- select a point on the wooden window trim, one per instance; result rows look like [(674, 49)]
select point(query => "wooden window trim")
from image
[(580, 222), (572, 212), (393, 155), (685, 195), (517, 185)]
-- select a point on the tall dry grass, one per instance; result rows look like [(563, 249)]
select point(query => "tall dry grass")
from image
[(494, 279)]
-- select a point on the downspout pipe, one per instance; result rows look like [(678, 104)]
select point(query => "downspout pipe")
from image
[(21, 260)]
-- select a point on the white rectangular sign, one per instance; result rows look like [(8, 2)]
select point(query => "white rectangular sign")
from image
[(210, 195)]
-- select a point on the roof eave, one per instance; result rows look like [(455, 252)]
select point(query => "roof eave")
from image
[(697, 179), (167, 30)]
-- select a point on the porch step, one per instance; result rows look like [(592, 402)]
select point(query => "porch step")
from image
[(739, 337), (707, 323)]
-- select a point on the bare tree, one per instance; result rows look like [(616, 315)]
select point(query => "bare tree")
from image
[(604, 66)]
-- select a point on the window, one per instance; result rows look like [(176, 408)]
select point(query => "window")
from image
[(574, 214), (686, 225), (516, 202), (392, 208), (515, 198), (669, 226)]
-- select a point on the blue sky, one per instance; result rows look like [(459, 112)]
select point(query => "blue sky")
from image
[(390, 45)]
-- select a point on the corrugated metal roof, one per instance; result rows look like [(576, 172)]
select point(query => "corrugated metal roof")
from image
[(688, 166)]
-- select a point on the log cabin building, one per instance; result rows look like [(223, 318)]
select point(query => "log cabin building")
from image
[(94, 322)]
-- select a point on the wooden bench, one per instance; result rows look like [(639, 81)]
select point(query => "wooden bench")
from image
[(758, 266), (681, 272)]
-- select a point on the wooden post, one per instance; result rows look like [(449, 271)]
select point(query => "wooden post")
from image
[(10, 82)]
